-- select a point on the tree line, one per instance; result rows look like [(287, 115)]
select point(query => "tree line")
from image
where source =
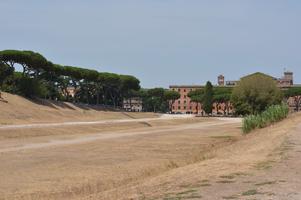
[(42, 78)]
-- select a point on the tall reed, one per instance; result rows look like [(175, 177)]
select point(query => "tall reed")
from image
[(273, 114)]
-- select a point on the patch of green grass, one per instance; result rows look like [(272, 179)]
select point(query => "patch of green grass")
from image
[(266, 183), (225, 181), (172, 198), (229, 137), (230, 197), (264, 165), (228, 177), (250, 193), (187, 192), (240, 174), (205, 185), (193, 196)]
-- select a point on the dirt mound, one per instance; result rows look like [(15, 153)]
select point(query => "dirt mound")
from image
[(15, 109)]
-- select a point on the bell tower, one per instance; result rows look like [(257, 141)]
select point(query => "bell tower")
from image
[(221, 80)]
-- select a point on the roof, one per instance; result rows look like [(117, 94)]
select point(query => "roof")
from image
[(258, 73)]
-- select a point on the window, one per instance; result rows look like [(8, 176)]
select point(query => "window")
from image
[(185, 96), (184, 107), (185, 102), (173, 107), (179, 102), (179, 108), (179, 90), (184, 90), (190, 107)]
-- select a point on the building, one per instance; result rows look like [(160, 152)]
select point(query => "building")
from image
[(71, 91), (133, 104), (185, 106), (287, 80)]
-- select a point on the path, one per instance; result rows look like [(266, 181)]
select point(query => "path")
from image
[(107, 135)]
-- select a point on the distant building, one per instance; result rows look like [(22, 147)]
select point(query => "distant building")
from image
[(287, 80), (71, 91), (231, 83), (185, 106), (133, 104)]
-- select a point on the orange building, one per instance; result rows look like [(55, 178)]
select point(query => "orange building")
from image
[(184, 105)]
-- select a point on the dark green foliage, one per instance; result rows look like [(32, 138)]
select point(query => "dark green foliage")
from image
[(222, 95), (196, 96), (255, 93), (5, 72), (42, 78), (207, 100), (154, 100), (171, 96)]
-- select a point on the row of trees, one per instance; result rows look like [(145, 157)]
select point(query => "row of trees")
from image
[(42, 78), (253, 95), (157, 99), (209, 95)]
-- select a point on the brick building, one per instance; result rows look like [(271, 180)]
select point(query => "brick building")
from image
[(185, 106)]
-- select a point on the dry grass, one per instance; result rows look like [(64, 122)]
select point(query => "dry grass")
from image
[(19, 110), (76, 171), (155, 165)]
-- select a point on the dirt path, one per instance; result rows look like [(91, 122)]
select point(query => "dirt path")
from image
[(79, 123), (272, 180), (107, 135)]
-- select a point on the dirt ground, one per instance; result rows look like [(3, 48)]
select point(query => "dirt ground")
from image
[(98, 159), (147, 157)]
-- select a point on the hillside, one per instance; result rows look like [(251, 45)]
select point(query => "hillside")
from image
[(18, 110)]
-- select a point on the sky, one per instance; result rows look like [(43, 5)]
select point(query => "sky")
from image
[(161, 42)]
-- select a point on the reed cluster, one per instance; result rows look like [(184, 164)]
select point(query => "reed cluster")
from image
[(273, 114)]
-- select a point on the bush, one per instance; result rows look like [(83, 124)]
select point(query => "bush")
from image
[(273, 114), (254, 93)]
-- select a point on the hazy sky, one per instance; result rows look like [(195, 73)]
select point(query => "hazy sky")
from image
[(162, 42)]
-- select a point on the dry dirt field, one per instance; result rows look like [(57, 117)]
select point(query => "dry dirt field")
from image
[(145, 157)]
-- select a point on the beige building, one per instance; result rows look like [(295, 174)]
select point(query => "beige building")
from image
[(133, 104)]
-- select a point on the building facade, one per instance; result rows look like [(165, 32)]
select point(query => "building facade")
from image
[(133, 104), (185, 106)]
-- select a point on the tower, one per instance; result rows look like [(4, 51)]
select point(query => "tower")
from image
[(221, 80), (289, 76)]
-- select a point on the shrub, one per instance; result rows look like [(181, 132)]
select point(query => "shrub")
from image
[(254, 93), (273, 114)]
